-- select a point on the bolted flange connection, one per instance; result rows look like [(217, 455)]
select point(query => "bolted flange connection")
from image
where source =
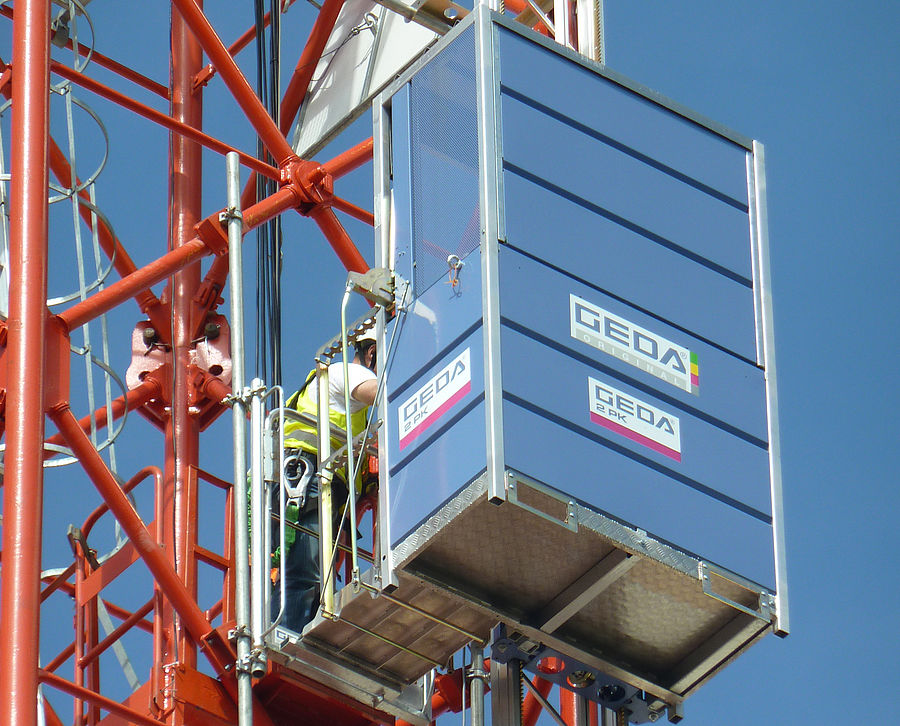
[(312, 184)]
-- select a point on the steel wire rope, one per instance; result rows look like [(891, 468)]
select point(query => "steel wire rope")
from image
[(71, 13), (269, 235)]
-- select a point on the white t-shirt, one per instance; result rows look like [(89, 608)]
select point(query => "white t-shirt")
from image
[(358, 374)]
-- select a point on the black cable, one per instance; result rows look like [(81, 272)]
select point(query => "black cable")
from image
[(269, 248)]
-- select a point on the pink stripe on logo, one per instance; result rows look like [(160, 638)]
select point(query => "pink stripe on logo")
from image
[(695, 379), (435, 415), (636, 437)]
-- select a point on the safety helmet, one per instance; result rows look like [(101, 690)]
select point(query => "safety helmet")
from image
[(367, 336)]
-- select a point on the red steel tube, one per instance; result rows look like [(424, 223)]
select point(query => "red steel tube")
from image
[(126, 288), (570, 702), (273, 205), (162, 119), (243, 93), (114, 610), (147, 301), (339, 239), (62, 170), (363, 215), (123, 628), (135, 398), (130, 715), (24, 475), (66, 653), (290, 103), (309, 59), (204, 76), (94, 516), (351, 159), (531, 706), (124, 512), (57, 582), (300, 79), (242, 42), (108, 63), (163, 267), (185, 181)]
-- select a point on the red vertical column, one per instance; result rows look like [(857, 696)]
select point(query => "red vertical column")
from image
[(23, 476), (575, 710), (182, 434), (568, 706)]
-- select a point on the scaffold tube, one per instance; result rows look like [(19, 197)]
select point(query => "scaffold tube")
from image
[(259, 570), (351, 471), (239, 436)]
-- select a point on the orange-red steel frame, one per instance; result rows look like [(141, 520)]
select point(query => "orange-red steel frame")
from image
[(34, 379)]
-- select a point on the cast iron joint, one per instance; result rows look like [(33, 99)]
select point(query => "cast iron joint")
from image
[(311, 183)]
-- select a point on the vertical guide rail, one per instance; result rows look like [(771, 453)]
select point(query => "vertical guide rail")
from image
[(23, 475), (506, 693), (239, 433), (351, 470), (259, 552), (326, 535)]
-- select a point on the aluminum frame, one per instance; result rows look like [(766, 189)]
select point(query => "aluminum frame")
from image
[(759, 229), (488, 92)]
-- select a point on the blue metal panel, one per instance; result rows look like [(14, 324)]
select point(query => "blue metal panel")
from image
[(445, 161), (434, 321), (448, 451), (639, 496), (628, 265), (612, 198), (722, 466), (529, 70), (730, 392), (633, 192), (401, 169)]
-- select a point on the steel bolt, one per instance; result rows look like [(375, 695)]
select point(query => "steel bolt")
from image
[(211, 331)]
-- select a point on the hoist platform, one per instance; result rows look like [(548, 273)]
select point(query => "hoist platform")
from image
[(580, 437)]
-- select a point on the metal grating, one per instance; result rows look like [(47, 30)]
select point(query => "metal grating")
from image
[(650, 624), (446, 219), (381, 637)]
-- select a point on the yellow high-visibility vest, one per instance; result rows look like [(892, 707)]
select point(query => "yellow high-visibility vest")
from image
[(301, 435)]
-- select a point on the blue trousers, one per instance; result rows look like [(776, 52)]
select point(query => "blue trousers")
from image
[(302, 570)]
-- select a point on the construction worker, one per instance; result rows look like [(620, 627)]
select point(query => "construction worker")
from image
[(302, 567)]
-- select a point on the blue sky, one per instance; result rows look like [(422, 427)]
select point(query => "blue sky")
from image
[(817, 83)]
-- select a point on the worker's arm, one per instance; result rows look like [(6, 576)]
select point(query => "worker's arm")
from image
[(365, 392)]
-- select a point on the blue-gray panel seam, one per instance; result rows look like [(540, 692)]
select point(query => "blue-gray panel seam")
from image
[(643, 387), (619, 146), (649, 463), (629, 303), (622, 222), (413, 377), (509, 23), (436, 434)]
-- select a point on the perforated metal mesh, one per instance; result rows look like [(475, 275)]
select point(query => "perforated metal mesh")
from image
[(446, 218)]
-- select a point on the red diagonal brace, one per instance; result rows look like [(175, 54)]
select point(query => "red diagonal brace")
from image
[(218, 651), (243, 93)]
